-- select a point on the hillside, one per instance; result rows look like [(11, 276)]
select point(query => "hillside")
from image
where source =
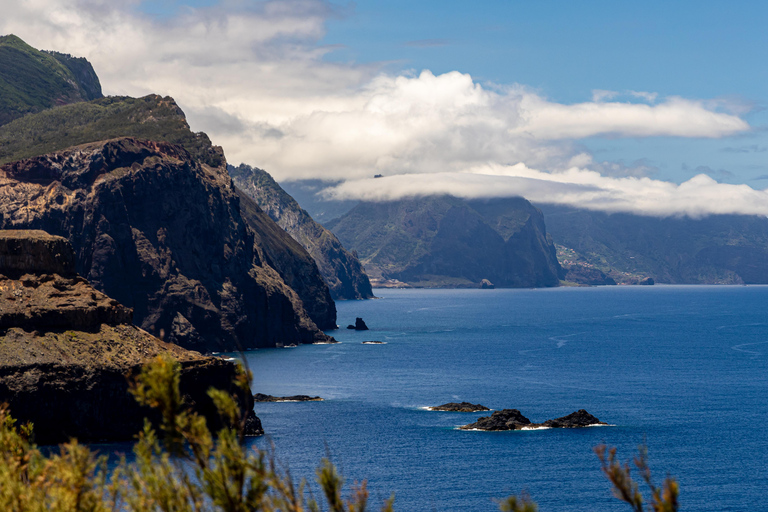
[(340, 268), (33, 80), (163, 233), (719, 249), (443, 241)]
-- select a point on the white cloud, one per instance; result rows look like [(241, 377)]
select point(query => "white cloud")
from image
[(697, 197), (253, 76)]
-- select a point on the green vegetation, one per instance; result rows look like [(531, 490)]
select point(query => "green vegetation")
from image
[(185, 467), (31, 80), (150, 118), (719, 249)]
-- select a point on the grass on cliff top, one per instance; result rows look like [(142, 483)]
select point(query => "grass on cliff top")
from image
[(32, 80), (151, 118)]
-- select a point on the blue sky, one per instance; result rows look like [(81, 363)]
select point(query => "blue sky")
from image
[(566, 49), (648, 107)]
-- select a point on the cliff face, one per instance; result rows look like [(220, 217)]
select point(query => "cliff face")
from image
[(446, 242), (162, 233), (340, 268), (66, 349), (719, 249), (31, 80)]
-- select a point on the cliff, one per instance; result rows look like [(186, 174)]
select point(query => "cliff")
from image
[(161, 232), (31, 80), (340, 268), (448, 242), (66, 349), (718, 249)]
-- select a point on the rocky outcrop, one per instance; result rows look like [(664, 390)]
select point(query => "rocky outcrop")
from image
[(585, 274), (67, 350), (260, 397), (295, 266), (447, 242), (506, 419), (459, 407), (162, 233), (359, 325), (340, 268), (580, 418), (512, 419)]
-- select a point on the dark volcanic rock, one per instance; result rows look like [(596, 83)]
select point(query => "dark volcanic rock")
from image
[(511, 419), (487, 285), (340, 268), (260, 397), (295, 266), (66, 351), (359, 325), (506, 419), (163, 234), (460, 407), (580, 418)]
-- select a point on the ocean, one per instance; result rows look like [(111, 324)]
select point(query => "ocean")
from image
[(681, 369)]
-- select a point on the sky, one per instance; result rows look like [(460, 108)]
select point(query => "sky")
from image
[(649, 107)]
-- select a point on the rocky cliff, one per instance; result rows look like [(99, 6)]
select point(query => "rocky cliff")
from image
[(31, 80), (161, 232), (340, 268), (66, 349), (448, 242), (718, 249)]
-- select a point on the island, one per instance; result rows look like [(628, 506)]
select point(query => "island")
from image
[(459, 407), (512, 419), (260, 397)]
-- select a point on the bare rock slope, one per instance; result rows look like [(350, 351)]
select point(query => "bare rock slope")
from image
[(162, 232), (67, 350)]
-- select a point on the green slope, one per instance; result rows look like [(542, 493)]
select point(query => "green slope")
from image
[(33, 80), (150, 118)]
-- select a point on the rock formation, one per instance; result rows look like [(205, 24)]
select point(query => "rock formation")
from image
[(161, 232), (359, 325), (512, 419), (66, 349), (459, 407), (260, 397), (340, 268), (506, 419)]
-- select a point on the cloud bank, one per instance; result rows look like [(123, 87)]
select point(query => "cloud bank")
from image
[(253, 76)]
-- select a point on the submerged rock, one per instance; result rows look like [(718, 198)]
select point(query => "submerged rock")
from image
[(359, 325), (68, 350), (460, 407), (260, 397)]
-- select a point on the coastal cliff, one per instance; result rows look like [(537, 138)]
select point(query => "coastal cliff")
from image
[(67, 350), (443, 241), (161, 232), (340, 268)]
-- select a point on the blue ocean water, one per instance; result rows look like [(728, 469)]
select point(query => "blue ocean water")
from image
[(683, 369)]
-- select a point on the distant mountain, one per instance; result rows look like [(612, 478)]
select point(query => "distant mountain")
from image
[(340, 268), (723, 249), (443, 241), (305, 192), (33, 80)]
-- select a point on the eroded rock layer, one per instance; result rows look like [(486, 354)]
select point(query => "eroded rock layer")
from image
[(162, 233), (67, 350)]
